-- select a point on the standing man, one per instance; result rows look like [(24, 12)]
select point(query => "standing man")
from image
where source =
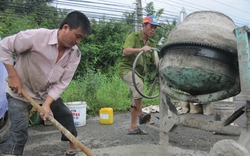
[(46, 63), (134, 44)]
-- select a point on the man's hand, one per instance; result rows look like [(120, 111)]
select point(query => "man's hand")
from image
[(13, 79), (47, 112), (146, 48), (14, 83), (46, 108)]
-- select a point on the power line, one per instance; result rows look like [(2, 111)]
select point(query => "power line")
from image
[(120, 8), (94, 5), (114, 10), (239, 21), (195, 7), (108, 3), (231, 6)]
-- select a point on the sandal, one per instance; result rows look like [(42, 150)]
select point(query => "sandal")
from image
[(70, 153), (144, 118), (137, 131)]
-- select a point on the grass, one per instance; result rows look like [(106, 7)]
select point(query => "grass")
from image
[(99, 90)]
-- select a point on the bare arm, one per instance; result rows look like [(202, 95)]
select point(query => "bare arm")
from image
[(130, 51), (14, 81)]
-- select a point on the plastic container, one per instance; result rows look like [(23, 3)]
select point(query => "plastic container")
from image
[(223, 110), (34, 118), (106, 116), (78, 109), (208, 109)]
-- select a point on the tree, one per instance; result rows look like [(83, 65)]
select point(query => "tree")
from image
[(160, 36), (103, 48), (21, 6), (17, 15), (150, 10), (129, 18)]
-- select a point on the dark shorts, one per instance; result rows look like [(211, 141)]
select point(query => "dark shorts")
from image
[(19, 117)]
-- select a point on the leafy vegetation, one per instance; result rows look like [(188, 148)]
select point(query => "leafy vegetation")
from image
[(100, 90), (96, 80)]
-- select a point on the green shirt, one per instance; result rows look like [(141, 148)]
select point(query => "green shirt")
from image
[(134, 40)]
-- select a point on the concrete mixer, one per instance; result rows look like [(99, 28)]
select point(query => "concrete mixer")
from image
[(207, 57), (200, 58)]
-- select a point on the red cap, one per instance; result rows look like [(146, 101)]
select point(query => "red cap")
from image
[(150, 19)]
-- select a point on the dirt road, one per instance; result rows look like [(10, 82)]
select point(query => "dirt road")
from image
[(45, 140)]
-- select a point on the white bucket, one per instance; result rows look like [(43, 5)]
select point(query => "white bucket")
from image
[(78, 109), (223, 110)]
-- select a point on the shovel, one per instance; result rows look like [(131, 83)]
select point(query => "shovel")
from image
[(50, 118)]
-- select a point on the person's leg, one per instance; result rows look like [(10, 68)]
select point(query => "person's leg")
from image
[(133, 114), (136, 99), (138, 103), (19, 117), (135, 111), (64, 116)]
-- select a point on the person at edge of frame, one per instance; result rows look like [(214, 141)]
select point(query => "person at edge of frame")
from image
[(46, 62)]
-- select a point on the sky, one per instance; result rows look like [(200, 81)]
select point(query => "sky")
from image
[(237, 10)]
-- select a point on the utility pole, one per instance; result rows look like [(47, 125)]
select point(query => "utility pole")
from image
[(139, 14)]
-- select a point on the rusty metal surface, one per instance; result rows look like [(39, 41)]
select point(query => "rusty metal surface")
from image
[(242, 35), (198, 69), (203, 62)]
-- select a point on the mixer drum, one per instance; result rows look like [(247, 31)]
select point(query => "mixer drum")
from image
[(200, 56)]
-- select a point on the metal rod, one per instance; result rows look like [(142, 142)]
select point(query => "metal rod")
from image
[(248, 116)]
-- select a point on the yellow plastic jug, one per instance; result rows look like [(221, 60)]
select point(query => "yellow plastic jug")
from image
[(106, 116)]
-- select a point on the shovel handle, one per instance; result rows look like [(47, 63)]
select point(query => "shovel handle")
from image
[(60, 127), (50, 118)]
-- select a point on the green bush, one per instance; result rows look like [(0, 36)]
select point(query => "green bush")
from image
[(100, 90)]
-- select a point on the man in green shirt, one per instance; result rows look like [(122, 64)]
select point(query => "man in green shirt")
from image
[(134, 44)]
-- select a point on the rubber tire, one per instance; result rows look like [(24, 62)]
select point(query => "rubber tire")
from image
[(5, 128)]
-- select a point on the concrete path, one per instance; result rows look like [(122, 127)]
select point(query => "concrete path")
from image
[(145, 150)]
